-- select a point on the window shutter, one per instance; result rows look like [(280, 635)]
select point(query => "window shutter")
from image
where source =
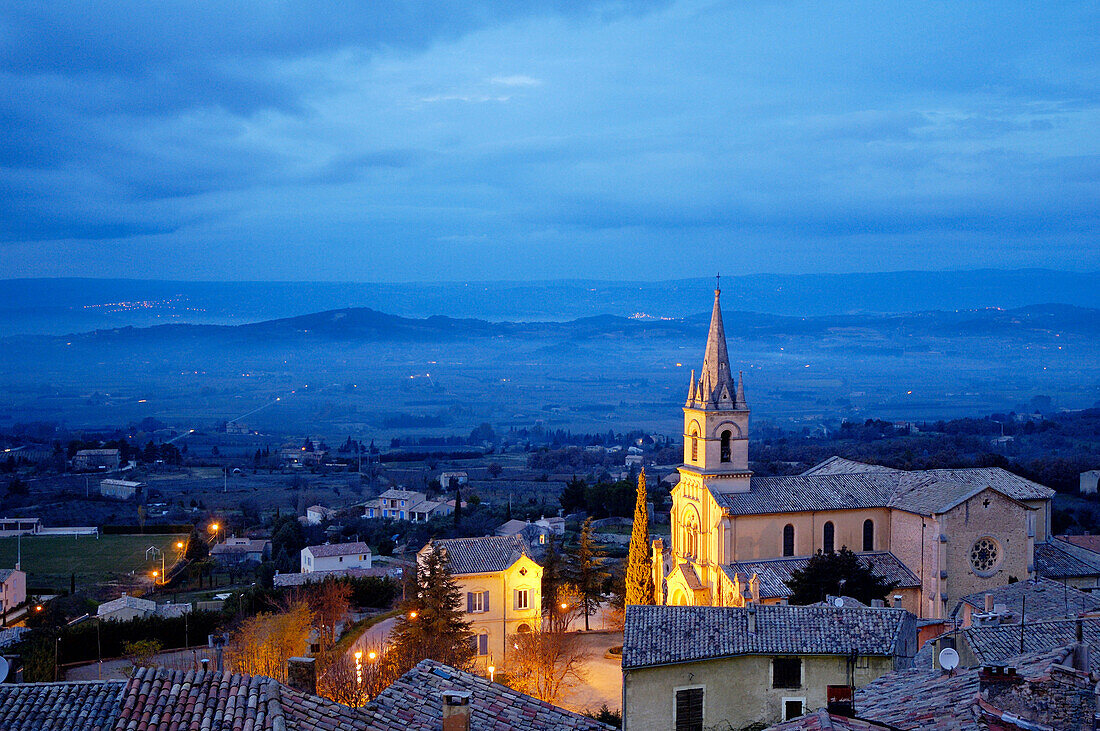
[(469, 602), (689, 709), (485, 601), (483, 644)]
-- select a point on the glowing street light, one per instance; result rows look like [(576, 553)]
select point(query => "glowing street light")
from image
[(412, 615), (358, 655), (38, 608), (372, 655), (492, 670)]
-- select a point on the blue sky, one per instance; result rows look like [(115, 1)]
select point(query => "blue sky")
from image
[(457, 140)]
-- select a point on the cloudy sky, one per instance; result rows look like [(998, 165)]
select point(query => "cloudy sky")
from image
[(444, 140)]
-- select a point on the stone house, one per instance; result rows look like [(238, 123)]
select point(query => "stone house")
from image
[(236, 551), (336, 557), (96, 459), (704, 667), (120, 489), (501, 589), (958, 531), (128, 607)]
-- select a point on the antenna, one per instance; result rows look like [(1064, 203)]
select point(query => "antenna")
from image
[(949, 659), (838, 603)]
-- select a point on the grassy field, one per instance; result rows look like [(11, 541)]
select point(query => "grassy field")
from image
[(49, 560)]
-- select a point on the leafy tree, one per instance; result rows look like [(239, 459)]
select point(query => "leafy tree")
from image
[(431, 624), (573, 495), (639, 570), (839, 573), (494, 470), (197, 547), (265, 642), (17, 487)]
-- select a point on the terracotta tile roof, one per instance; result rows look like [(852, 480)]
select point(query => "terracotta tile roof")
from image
[(1059, 559), (413, 703), (1045, 599), (838, 484), (822, 720), (85, 706), (339, 549), (936, 700), (167, 700), (663, 635), (774, 573), (482, 555)]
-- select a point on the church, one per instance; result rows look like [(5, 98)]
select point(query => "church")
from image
[(736, 537)]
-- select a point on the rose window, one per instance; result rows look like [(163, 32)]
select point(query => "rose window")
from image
[(984, 555)]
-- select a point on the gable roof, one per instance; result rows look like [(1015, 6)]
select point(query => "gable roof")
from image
[(339, 549), (1042, 599), (126, 601), (414, 703), (773, 574), (70, 706), (839, 484), (663, 635), (1089, 543), (482, 555)]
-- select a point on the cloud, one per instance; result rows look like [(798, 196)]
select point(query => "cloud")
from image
[(515, 80), (317, 140)]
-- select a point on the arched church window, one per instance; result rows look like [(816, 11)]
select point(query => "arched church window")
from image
[(868, 535), (694, 445), (827, 536), (726, 437), (788, 540)]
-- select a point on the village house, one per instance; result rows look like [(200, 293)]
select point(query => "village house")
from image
[(13, 589), (235, 551), (333, 557), (1070, 559), (453, 480), (956, 531), (406, 505), (501, 589), (120, 489), (317, 514), (127, 607), (680, 663), (87, 460), (1029, 601)]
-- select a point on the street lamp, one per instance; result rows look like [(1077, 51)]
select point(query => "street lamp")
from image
[(372, 655), (214, 527), (492, 670), (412, 615)]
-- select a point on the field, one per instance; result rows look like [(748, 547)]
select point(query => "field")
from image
[(49, 560)]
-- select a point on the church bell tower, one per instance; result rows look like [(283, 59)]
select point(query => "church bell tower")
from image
[(716, 419)]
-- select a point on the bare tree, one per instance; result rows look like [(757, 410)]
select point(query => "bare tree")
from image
[(265, 642), (355, 678), (546, 663), (330, 601)]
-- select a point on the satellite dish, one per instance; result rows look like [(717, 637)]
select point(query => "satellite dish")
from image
[(838, 603), (4, 667), (949, 659)]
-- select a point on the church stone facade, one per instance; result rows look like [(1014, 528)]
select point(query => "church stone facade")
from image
[(940, 534)]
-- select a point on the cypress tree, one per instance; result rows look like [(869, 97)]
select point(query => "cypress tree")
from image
[(639, 571)]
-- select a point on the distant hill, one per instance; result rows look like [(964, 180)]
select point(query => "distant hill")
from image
[(55, 306), (365, 325)]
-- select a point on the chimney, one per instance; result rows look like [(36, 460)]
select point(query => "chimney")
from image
[(752, 620), (456, 710), (878, 603), (988, 603), (205, 664), (301, 674)]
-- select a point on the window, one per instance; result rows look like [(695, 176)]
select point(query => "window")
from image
[(477, 601), (792, 708), (868, 535), (788, 540), (726, 437), (689, 709), (523, 599), (694, 446), (827, 536), (985, 555), (787, 673), (480, 643)]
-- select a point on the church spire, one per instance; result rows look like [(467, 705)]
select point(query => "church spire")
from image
[(718, 389)]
